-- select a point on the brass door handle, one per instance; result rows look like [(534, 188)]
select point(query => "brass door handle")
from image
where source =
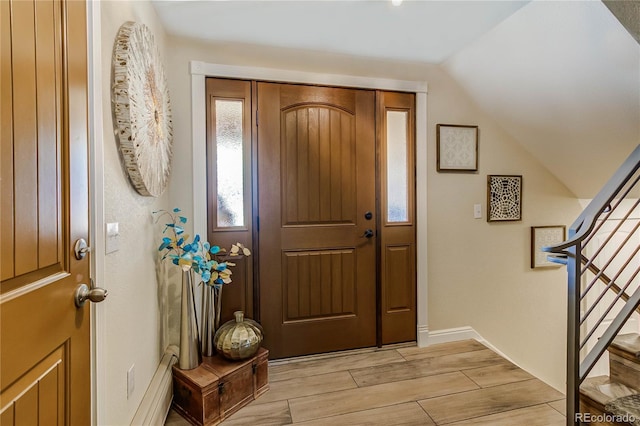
[(84, 293)]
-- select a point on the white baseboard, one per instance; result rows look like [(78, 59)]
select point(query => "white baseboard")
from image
[(156, 402), (452, 335), (455, 335), (423, 336)]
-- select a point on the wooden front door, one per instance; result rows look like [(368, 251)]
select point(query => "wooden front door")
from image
[(317, 215), (45, 340)]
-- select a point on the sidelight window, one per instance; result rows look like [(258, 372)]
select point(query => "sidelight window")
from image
[(229, 157), (397, 153)]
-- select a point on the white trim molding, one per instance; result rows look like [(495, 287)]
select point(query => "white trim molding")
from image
[(96, 200), (303, 77), (423, 335), (199, 152), (155, 404), (452, 335), (461, 333), (201, 70)]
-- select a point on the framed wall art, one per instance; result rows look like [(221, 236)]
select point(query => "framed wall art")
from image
[(457, 148), (543, 236), (142, 109), (504, 198)]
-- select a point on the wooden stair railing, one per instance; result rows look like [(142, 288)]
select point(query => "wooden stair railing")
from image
[(615, 210)]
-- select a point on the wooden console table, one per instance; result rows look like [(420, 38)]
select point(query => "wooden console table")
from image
[(218, 388)]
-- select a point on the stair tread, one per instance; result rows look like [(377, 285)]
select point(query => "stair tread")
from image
[(603, 391), (628, 406), (629, 343)]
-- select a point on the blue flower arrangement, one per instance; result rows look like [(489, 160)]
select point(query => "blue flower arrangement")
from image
[(210, 262)]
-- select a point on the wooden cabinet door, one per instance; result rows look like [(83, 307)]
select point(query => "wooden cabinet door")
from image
[(45, 350), (316, 183)]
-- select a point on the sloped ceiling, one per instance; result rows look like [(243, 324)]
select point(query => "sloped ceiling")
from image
[(562, 78)]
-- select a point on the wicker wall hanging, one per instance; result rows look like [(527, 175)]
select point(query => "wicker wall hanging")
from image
[(504, 198), (142, 109)]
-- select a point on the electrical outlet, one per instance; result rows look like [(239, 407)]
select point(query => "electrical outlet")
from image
[(131, 381)]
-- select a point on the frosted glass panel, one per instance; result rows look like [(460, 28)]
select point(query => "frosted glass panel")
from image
[(397, 177), (229, 164)]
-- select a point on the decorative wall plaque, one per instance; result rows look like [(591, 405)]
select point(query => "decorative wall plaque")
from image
[(457, 148), (504, 198), (142, 109), (544, 236)]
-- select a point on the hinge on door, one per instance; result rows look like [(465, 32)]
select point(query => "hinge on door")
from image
[(258, 223), (256, 117)]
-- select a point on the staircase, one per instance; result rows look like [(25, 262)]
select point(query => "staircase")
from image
[(615, 399), (602, 256)]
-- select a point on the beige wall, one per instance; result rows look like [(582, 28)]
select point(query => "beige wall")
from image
[(132, 314), (478, 273)]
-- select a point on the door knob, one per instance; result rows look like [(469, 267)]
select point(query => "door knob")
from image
[(84, 293), (368, 233)]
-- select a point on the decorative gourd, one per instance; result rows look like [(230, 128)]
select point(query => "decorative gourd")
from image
[(238, 339)]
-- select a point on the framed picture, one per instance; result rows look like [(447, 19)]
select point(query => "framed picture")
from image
[(457, 148), (504, 198), (543, 236)]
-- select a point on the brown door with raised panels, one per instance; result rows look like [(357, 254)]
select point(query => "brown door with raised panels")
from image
[(45, 340), (397, 229), (316, 183)]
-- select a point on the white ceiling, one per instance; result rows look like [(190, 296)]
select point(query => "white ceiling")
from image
[(422, 31), (562, 78)]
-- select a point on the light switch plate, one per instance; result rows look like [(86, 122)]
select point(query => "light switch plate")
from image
[(112, 242), (477, 211)]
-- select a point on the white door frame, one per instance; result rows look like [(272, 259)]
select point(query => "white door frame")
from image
[(96, 206), (201, 70)]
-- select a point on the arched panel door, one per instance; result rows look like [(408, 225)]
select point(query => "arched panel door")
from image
[(316, 174)]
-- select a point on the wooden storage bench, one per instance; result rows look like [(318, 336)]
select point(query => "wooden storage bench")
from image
[(217, 388)]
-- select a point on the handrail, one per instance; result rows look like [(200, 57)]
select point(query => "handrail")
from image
[(612, 261)]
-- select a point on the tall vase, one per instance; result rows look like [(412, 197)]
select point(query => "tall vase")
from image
[(218, 293), (208, 320), (189, 344)]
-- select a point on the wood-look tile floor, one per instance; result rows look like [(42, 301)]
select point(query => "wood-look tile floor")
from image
[(456, 383)]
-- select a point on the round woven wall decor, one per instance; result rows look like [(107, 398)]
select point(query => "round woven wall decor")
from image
[(142, 109)]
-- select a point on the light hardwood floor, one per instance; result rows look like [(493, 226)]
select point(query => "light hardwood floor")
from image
[(456, 383)]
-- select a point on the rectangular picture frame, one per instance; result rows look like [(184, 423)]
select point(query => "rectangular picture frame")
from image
[(457, 148), (543, 236), (504, 198)]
